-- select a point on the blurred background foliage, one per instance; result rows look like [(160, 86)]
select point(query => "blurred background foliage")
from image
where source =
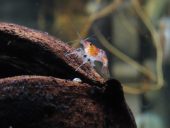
[(134, 33)]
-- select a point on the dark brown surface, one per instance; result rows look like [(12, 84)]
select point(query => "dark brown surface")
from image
[(47, 102), (37, 91), (33, 52)]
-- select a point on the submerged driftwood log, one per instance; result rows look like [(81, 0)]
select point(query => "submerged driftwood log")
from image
[(37, 91)]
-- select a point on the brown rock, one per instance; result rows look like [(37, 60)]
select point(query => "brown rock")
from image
[(37, 91)]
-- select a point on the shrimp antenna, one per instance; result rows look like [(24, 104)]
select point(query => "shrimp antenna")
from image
[(80, 37), (78, 34), (72, 41)]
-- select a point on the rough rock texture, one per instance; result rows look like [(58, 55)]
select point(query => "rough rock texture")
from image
[(37, 91), (27, 51)]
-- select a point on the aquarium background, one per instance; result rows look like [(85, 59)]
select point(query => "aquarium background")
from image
[(134, 33)]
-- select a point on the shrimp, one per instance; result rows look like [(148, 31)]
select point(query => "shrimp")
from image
[(102, 57), (90, 53), (95, 54)]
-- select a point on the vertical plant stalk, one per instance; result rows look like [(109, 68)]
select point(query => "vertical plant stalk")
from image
[(156, 42)]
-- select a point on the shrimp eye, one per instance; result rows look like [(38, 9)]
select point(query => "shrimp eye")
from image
[(89, 60), (85, 56), (90, 44)]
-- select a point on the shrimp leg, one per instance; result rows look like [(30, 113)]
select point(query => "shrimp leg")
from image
[(78, 52), (80, 65)]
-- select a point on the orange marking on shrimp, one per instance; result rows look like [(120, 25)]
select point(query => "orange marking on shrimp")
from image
[(92, 50)]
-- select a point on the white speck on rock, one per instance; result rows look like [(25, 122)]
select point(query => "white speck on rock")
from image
[(78, 80)]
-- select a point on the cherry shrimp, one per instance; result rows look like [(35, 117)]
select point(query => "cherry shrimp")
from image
[(90, 53)]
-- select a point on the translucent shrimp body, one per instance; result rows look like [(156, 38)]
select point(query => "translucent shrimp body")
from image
[(90, 53)]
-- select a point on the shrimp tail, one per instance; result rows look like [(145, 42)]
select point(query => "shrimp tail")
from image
[(105, 71)]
